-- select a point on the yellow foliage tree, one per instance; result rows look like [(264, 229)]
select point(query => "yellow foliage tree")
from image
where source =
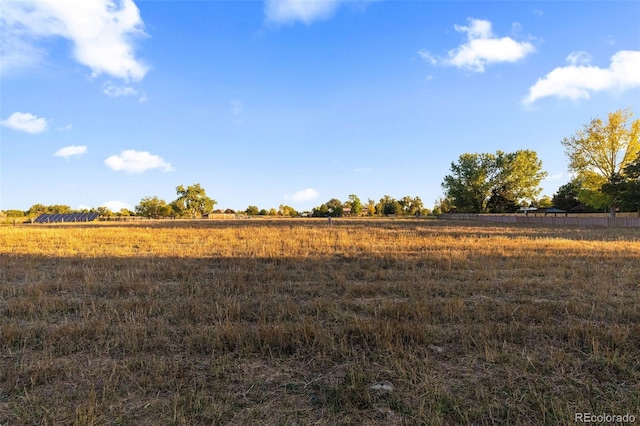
[(598, 153)]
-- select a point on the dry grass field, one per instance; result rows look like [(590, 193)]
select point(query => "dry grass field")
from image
[(294, 322)]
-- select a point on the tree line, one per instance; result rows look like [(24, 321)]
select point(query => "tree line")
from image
[(604, 158), (192, 202)]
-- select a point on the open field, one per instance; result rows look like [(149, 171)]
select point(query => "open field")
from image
[(294, 322)]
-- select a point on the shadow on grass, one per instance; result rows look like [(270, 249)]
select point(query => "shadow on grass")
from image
[(287, 339)]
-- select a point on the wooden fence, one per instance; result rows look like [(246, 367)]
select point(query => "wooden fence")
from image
[(583, 220)]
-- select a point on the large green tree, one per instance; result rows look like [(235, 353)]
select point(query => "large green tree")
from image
[(252, 210), (494, 182), (193, 200), (388, 205), (599, 152), (631, 191), (335, 207), (411, 205), (355, 204), (284, 210), (624, 188), (566, 197), (442, 205), (153, 207), (38, 209)]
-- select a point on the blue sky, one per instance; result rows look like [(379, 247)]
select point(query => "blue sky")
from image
[(295, 102)]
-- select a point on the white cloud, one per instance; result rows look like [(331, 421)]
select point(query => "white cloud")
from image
[(482, 48), (25, 122), (115, 91), (118, 91), (15, 53), (71, 151), (307, 11), (132, 161), (102, 33), (579, 58), (579, 81), (304, 195), (116, 206)]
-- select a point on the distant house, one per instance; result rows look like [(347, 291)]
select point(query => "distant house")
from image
[(346, 211)]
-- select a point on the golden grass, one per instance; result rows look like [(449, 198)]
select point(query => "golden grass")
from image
[(294, 322)]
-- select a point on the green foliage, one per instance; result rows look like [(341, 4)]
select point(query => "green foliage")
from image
[(370, 207), (14, 213), (411, 206), (335, 207), (153, 207), (502, 200), (38, 209), (59, 209), (494, 182), (624, 188), (355, 204), (104, 211), (320, 211), (630, 197), (599, 152), (566, 197), (287, 211), (544, 202), (252, 210), (193, 200), (388, 206), (469, 185), (442, 205)]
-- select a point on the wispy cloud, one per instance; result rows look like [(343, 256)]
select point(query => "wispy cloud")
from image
[(102, 33), (482, 48), (116, 91), (71, 151), (579, 58), (306, 11), (304, 195), (132, 161), (25, 122), (578, 80)]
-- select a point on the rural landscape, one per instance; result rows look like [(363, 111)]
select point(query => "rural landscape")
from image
[(319, 212), (352, 313), (292, 321)]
